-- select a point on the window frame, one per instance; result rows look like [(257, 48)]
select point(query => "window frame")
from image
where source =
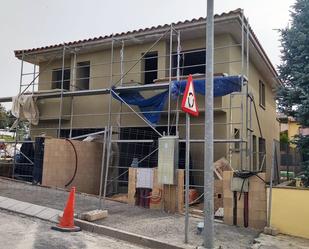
[(151, 55), (262, 141), (254, 152), (66, 80), (81, 80), (262, 94), (183, 67)]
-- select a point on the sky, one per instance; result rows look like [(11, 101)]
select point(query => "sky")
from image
[(34, 23)]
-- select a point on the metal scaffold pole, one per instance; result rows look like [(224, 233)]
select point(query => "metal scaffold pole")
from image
[(109, 126), (178, 78), (17, 121), (61, 96), (209, 136), (187, 178), (241, 130), (170, 82), (248, 111), (102, 167)]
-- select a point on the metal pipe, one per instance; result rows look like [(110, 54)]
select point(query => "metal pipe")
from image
[(170, 81), (61, 95), (271, 184), (241, 133), (74, 85), (87, 135), (230, 130), (34, 72), (102, 168), (208, 139), (144, 158), (121, 61), (187, 178), (133, 141), (178, 78), (248, 134), (17, 121), (251, 133), (110, 134), (242, 88), (110, 86)]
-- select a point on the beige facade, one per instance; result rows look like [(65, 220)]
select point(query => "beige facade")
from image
[(92, 112)]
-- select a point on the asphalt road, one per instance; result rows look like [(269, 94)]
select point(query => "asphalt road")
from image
[(20, 232)]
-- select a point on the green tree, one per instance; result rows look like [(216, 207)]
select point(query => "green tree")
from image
[(6, 118), (293, 96), (3, 118)]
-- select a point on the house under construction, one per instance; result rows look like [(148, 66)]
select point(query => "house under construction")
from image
[(131, 85)]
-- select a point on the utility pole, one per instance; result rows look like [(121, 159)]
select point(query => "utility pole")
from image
[(208, 145)]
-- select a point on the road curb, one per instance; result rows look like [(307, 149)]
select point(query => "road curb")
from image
[(51, 215), (123, 235)]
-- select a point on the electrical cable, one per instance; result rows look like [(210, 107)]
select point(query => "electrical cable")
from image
[(244, 174), (76, 163)]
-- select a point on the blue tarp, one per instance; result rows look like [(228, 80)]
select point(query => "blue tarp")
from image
[(223, 85), (153, 106), (150, 107)]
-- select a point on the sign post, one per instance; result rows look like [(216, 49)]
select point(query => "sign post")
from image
[(189, 106), (209, 133)]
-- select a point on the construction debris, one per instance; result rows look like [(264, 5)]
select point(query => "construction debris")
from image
[(94, 215)]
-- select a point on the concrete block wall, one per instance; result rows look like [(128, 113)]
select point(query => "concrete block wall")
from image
[(257, 202)]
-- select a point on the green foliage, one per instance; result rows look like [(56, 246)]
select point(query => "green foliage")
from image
[(5, 118), (284, 138), (293, 96)]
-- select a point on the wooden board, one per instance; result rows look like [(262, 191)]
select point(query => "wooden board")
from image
[(167, 197), (157, 192), (173, 195), (132, 186), (59, 165)]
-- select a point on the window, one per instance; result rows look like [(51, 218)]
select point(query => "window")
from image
[(262, 153), (150, 63), (191, 62), (82, 75), (262, 94), (254, 152), (236, 136), (57, 78)]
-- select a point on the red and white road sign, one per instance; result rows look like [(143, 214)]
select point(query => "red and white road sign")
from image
[(189, 103)]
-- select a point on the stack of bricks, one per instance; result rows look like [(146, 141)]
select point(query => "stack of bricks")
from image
[(257, 202)]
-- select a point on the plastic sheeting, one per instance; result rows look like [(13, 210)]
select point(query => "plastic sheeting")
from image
[(153, 106), (24, 108), (223, 85)]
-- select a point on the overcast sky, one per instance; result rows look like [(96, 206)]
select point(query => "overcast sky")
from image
[(33, 23)]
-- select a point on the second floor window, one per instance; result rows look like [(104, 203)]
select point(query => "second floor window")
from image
[(191, 62), (262, 94), (82, 75), (254, 152), (150, 67), (262, 153), (57, 78)]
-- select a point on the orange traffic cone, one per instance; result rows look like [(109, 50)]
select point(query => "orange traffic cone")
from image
[(67, 220)]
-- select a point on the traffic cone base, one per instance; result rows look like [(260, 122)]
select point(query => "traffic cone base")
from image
[(64, 229), (66, 223)]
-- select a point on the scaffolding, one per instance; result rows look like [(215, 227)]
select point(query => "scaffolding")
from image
[(114, 132)]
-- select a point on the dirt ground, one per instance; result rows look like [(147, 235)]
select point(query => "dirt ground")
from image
[(20, 232), (152, 223), (280, 242)]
